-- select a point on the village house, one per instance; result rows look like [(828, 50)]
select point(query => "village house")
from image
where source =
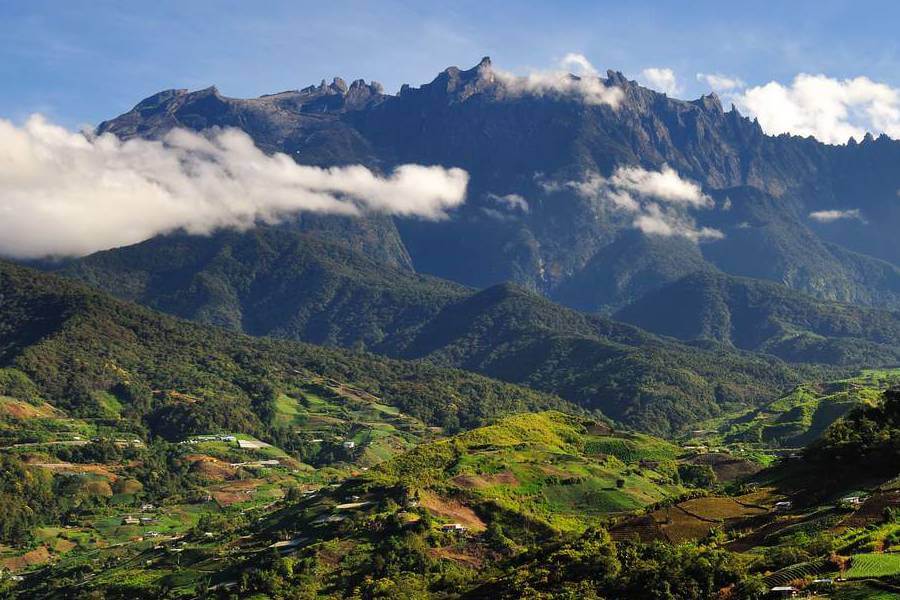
[(852, 501), (783, 506)]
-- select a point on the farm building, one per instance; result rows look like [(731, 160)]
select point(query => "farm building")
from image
[(349, 445), (129, 520), (454, 528), (783, 506), (783, 591), (852, 501)]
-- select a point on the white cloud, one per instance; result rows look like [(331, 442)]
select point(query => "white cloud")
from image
[(576, 77), (655, 220), (664, 185), (578, 64), (661, 79), (511, 202), (720, 83), (658, 202), (66, 193), (829, 216), (832, 110)]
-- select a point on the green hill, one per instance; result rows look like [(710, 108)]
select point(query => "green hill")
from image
[(644, 381), (765, 317), (800, 417), (868, 436), (560, 470), (274, 281)]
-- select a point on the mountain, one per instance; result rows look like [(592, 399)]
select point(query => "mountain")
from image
[(536, 147), (279, 282), (273, 281), (98, 357), (764, 317)]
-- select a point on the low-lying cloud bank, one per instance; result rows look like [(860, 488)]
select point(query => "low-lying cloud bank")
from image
[(69, 194), (576, 77), (658, 202)]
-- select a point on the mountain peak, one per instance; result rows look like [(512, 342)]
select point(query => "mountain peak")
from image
[(711, 102), (616, 78)]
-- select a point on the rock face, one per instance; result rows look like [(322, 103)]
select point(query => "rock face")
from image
[(565, 245)]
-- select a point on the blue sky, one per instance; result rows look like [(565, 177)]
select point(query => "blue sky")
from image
[(79, 62)]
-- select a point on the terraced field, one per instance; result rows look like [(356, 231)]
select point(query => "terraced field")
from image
[(873, 566), (326, 414), (798, 571)]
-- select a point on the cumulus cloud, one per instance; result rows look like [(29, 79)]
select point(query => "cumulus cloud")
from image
[(832, 110), (511, 202), (64, 193), (830, 216), (661, 79), (657, 202), (720, 83), (576, 77)]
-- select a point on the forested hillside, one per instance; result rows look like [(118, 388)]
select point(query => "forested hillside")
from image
[(85, 352), (283, 283), (764, 317)]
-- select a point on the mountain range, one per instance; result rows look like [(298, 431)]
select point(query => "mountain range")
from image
[(818, 218)]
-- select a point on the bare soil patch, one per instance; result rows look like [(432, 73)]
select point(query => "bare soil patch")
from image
[(238, 491), (482, 481), (456, 556), (727, 467), (38, 556), (211, 469), (453, 510)]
